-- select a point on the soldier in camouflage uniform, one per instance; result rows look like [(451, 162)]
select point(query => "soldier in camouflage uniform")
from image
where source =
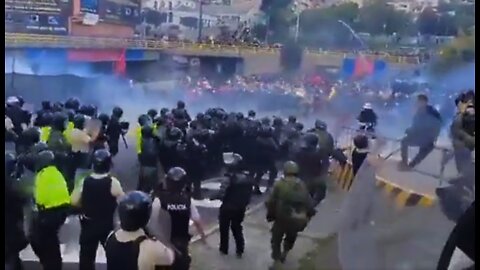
[(290, 207)]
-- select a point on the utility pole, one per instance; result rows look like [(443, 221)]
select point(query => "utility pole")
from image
[(12, 81), (200, 20)]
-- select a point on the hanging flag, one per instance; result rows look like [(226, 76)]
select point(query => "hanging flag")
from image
[(120, 66)]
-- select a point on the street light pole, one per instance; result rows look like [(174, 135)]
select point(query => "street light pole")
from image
[(297, 26), (200, 21)]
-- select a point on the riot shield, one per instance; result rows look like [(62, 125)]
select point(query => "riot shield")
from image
[(401, 219)]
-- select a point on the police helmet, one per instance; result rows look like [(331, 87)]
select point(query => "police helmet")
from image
[(292, 119), (231, 159), (367, 106), (134, 210), (59, 121), (160, 121), (180, 104), (31, 135), (176, 174), (46, 105), (72, 104), (102, 161), (70, 115), (200, 116), (251, 114), (10, 163), (117, 112), (47, 119), (210, 112), (174, 134), (240, 116), (164, 111), (277, 122), (44, 159), (147, 131), (91, 110), (104, 118), (266, 121), (298, 126), (12, 101), (360, 141), (57, 106), (290, 168), (152, 113), (310, 140), (79, 121), (39, 147), (320, 124), (144, 120)]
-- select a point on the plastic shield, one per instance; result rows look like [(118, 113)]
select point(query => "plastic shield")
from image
[(401, 219)]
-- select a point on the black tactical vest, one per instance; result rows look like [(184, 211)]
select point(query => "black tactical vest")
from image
[(98, 203), (178, 206), (122, 255)]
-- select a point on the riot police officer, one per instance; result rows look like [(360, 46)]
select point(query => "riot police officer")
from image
[(235, 193), (177, 202), (52, 202), (129, 248), (96, 197), (290, 207), (462, 132), (309, 160), (114, 130), (15, 239), (367, 119), (57, 142), (149, 161)]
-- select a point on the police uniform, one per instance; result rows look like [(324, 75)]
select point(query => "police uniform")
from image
[(97, 198), (52, 200), (130, 248), (149, 161), (181, 211)]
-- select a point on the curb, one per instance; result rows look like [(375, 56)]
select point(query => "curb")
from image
[(343, 176)]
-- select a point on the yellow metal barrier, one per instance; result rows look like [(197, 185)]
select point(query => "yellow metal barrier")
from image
[(78, 42)]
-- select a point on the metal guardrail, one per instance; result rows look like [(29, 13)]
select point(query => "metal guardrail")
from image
[(19, 40)]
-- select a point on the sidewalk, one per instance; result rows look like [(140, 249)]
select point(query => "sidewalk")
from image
[(257, 234)]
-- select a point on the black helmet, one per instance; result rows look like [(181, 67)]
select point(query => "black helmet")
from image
[(240, 116), (292, 119), (176, 174), (90, 110), (46, 118), (46, 105), (57, 106), (152, 113), (59, 121), (290, 168), (117, 112), (104, 118), (147, 131), (266, 121), (10, 163), (310, 140), (39, 147), (144, 120), (31, 135), (360, 141), (277, 122), (164, 111), (180, 104), (320, 124), (72, 104), (79, 121), (174, 134), (134, 210), (44, 159), (200, 116), (102, 161), (70, 115), (251, 114), (21, 101), (298, 126), (232, 160)]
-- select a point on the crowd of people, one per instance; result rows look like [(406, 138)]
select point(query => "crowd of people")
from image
[(62, 156)]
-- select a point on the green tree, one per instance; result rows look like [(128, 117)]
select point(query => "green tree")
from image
[(427, 22), (378, 18)]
